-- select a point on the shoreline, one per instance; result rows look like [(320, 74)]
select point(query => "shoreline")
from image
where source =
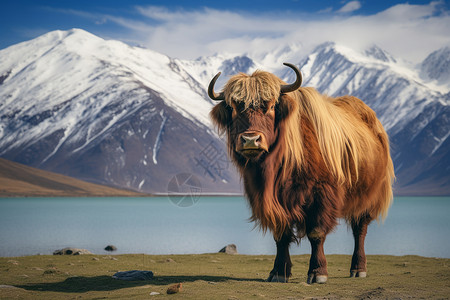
[(214, 253)]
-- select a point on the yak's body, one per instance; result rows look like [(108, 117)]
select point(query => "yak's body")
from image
[(306, 160)]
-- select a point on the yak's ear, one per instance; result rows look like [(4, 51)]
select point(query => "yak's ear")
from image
[(286, 105), (221, 116)]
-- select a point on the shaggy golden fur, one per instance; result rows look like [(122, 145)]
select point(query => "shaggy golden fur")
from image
[(324, 158), (350, 138)]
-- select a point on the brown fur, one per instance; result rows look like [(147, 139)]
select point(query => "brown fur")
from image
[(328, 158)]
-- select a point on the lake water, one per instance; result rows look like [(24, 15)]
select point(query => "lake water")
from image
[(28, 226)]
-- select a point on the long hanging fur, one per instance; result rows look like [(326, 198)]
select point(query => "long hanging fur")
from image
[(350, 141)]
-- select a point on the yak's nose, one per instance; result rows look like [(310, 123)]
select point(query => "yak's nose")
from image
[(251, 141)]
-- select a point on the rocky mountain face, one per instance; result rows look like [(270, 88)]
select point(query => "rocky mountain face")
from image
[(437, 66), (105, 112)]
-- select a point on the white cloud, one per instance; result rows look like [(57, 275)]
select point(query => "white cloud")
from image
[(328, 9), (350, 7), (407, 31)]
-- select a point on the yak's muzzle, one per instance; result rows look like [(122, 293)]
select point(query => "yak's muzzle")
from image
[(251, 143)]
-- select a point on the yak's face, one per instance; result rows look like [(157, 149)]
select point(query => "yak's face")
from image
[(251, 109), (252, 131)]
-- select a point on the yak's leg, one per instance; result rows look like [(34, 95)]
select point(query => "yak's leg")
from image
[(321, 218), (317, 272), (282, 267), (359, 228)]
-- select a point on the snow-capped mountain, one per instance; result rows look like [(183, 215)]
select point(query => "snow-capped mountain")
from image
[(102, 111), (205, 68), (437, 67), (105, 112)]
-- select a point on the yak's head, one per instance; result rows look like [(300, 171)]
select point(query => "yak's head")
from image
[(251, 109)]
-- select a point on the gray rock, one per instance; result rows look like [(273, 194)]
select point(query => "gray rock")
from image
[(110, 248), (4, 286), (71, 251), (133, 275), (229, 249)]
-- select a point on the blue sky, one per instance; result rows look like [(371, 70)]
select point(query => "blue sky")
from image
[(188, 29)]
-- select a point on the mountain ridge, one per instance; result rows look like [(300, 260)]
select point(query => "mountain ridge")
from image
[(110, 113)]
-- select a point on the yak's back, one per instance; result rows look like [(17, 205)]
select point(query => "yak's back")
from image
[(357, 107), (379, 204), (366, 115)]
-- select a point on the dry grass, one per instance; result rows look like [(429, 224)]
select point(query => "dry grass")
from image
[(218, 276)]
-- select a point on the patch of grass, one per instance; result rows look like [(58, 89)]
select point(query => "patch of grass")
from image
[(218, 276)]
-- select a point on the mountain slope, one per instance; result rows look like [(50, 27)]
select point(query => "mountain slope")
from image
[(17, 180), (109, 113), (437, 67), (105, 112)]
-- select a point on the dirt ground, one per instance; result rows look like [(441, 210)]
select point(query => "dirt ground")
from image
[(218, 276)]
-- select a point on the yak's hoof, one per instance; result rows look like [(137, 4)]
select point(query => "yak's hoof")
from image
[(312, 278), (360, 274), (277, 278)]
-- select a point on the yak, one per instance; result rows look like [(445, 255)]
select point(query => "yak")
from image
[(306, 160)]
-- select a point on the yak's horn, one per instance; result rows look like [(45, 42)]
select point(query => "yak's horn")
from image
[(211, 94), (286, 88)]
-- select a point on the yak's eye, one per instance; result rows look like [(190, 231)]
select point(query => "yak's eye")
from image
[(272, 107)]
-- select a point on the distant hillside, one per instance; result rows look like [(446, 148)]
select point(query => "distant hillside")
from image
[(17, 180)]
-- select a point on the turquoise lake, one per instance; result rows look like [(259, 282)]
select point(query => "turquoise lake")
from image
[(29, 226)]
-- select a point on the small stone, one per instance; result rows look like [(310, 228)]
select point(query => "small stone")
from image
[(109, 257), (169, 260), (110, 248), (71, 251), (229, 249), (95, 258), (173, 289), (4, 286), (154, 293)]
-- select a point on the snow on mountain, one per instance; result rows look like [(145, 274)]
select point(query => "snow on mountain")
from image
[(436, 67), (80, 55), (77, 97), (205, 68), (107, 112), (394, 92), (379, 54)]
